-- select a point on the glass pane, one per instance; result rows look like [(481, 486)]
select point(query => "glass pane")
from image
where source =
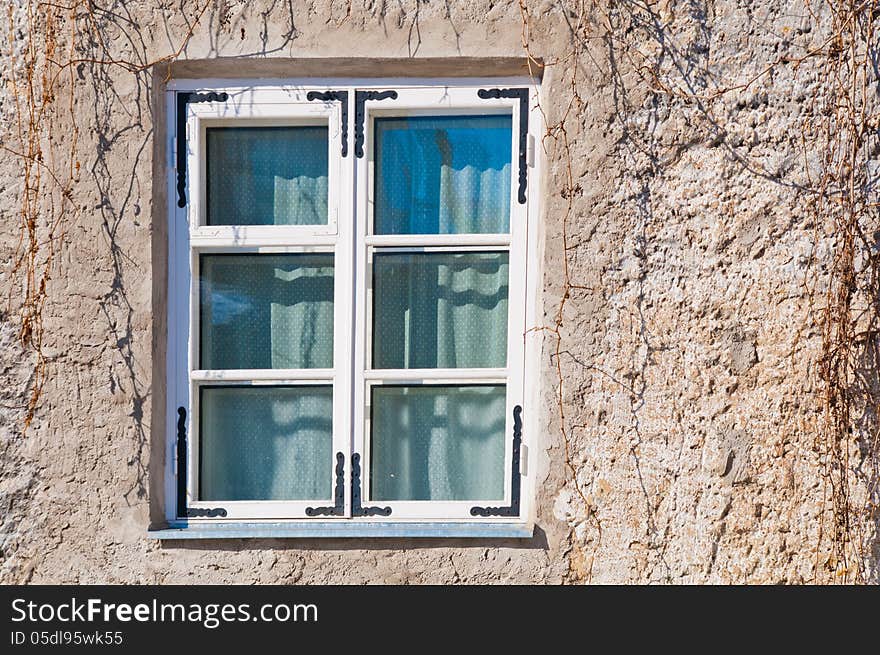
[(267, 175), (437, 443), (266, 311), (440, 310), (443, 174), (266, 443)]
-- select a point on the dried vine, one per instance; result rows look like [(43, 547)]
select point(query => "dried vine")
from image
[(47, 42), (556, 132), (45, 209), (843, 196), (846, 197)]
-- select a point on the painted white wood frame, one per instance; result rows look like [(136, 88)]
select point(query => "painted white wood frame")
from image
[(433, 102), (198, 238), (349, 236)]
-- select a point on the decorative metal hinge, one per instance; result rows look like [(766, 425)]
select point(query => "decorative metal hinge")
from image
[(181, 461), (183, 99), (360, 97), (523, 96), (513, 508), (356, 509), (339, 497), (182, 509), (342, 98), (211, 512)]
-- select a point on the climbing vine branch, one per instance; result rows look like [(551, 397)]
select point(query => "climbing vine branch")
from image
[(47, 46), (631, 45)]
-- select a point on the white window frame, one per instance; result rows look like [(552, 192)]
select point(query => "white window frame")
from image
[(348, 236)]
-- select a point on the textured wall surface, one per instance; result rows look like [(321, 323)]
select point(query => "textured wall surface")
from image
[(687, 351)]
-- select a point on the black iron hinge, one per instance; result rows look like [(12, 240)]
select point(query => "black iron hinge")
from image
[(356, 509), (523, 96), (181, 461), (182, 509), (183, 99), (205, 512), (360, 97), (338, 508), (515, 479), (342, 98)]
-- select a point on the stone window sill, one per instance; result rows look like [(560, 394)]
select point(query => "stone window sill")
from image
[(339, 529)]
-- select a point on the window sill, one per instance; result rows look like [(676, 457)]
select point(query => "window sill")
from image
[(341, 529)]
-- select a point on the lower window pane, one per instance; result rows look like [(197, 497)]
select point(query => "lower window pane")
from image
[(437, 442), (265, 443)]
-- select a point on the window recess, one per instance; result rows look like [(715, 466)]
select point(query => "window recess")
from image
[(348, 304)]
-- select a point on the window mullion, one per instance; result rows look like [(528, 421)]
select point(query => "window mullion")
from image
[(446, 241), (361, 165), (270, 375), (344, 390), (436, 375)]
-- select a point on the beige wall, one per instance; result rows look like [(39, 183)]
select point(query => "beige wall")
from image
[(687, 355)]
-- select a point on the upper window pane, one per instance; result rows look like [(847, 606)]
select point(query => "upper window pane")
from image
[(442, 175), (267, 175), (266, 311)]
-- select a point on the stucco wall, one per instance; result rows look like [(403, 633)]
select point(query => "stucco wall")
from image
[(687, 355)]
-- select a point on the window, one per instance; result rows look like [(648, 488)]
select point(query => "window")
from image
[(351, 279)]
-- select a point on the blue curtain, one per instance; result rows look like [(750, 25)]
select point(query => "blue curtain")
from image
[(442, 174), (437, 442), (440, 310)]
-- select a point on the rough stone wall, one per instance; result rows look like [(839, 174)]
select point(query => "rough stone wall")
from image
[(687, 351)]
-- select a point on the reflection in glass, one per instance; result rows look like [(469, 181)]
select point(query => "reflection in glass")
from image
[(440, 310), (265, 443), (442, 174), (267, 175), (266, 311), (437, 443)]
